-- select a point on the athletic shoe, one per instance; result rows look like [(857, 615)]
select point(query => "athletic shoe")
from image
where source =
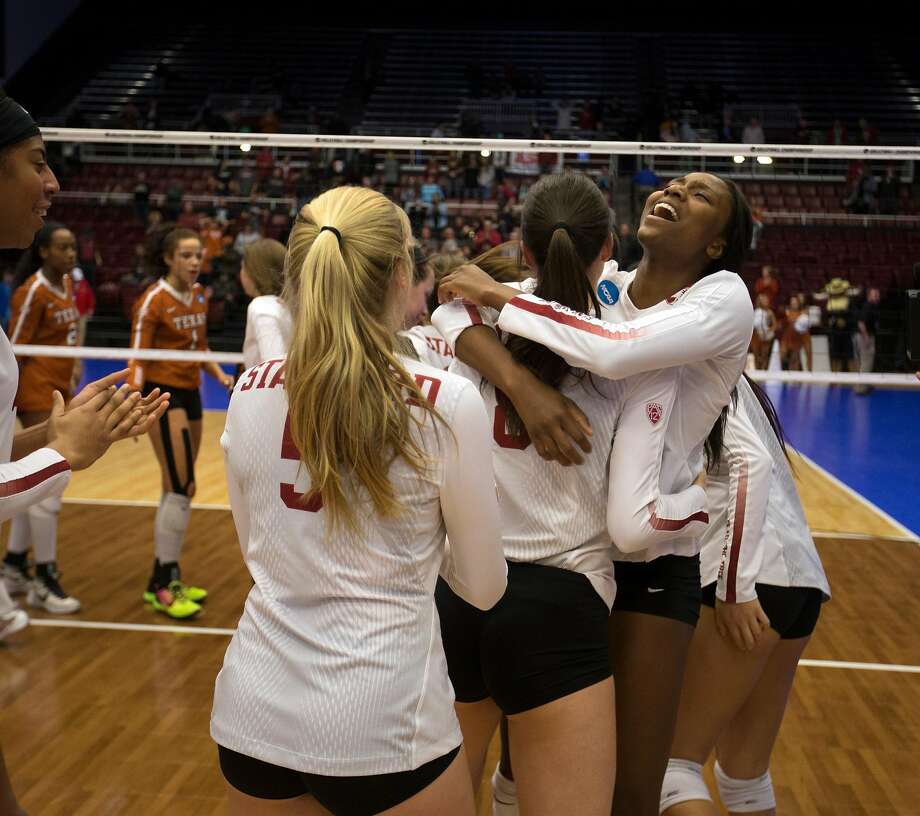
[(172, 601), (46, 592), (193, 593), (504, 795), (13, 621), (17, 579)]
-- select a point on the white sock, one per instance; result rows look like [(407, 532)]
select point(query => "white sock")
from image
[(20, 534), (503, 789), (170, 526), (6, 602)]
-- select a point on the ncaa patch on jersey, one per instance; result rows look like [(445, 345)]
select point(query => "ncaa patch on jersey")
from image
[(654, 412), (607, 292)]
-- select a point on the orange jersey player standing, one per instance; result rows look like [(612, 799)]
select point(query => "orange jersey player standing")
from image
[(173, 315)]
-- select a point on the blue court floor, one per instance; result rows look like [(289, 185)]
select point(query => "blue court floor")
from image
[(871, 443)]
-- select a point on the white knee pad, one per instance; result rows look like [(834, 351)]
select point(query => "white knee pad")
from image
[(175, 510), (170, 526), (46, 509), (745, 795), (683, 782)]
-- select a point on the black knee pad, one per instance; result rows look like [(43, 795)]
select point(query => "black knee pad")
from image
[(170, 454)]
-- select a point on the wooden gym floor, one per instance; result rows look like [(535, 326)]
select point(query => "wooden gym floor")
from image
[(106, 711)]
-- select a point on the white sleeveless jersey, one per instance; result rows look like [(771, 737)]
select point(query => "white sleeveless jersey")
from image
[(758, 532), (337, 666), (567, 517), (702, 333), (43, 473)]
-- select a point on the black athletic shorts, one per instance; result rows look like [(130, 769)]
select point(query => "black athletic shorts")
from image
[(545, 639), (188, 399), (793, 611), (342, 795), (667, 587)]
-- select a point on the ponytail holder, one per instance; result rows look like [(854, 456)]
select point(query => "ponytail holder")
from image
[(566, 227), (335, 232)]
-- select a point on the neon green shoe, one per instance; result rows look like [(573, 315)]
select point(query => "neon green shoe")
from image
[(193, 593), (173, 601)]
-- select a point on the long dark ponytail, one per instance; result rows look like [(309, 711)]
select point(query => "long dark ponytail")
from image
[(564, 224), (31, 260)]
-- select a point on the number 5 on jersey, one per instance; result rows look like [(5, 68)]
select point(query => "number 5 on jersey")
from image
[(289, 495)]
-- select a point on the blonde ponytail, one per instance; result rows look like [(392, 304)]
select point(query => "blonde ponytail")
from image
[(347, 389)]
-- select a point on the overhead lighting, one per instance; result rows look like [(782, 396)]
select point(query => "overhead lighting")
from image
[(245, 147), (738, 159), (764, 160), (485, 153)]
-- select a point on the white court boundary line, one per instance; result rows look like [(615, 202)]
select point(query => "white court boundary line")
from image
[(909, 534), (826, 534), (203, 630), (139, 503)]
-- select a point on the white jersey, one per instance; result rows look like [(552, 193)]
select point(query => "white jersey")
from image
[(567, 517), (268, 330), (337, 666), (704, 329), (764, 323), (758, 532), (430, 347), (42, 474)]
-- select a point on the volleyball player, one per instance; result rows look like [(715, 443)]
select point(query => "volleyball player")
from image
[(173, 314), (346, 463), (268, 322), (763, 585), (44, 455), (43, 313), (683, 306), (542, 656), (426, 341)]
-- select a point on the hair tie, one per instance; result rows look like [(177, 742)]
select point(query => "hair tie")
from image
[(566, 227), (335, 232)]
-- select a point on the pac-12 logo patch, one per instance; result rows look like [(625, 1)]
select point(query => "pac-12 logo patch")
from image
[(607, 292), (654, 412)]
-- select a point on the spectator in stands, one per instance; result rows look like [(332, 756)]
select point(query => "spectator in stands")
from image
[(470, 176), (862, 197), (486, 177), (757, 224), (889, 192), (764, 333), (644, 183), (487, 234), (249, 234), (246, 178), (506, 217), (564, 111), (753, 132), (270, 122), (667, 130), (189, 218), (449, 244), (628, 250), (141, 197), (864, 338), (173, 205), (868, 134), (430, 189), (427, 243), (84, 299), (390, 172), (767, 285), (437, 214), (130, 117), (688, 133), (275, 186), (152, 117), (88, 255), (548, 160), (154, 219), (265, 163), (837, 135)]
